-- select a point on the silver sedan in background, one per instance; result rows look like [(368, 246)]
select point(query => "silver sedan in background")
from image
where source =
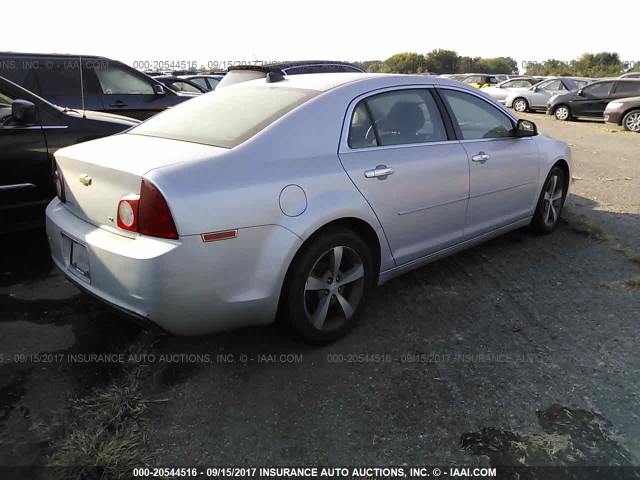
[(536, 96), (294, 196), (500, 92)]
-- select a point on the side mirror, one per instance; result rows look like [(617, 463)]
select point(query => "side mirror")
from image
[(534, 89), (526, 128), (580, 93), (23, 112), (158, 89)]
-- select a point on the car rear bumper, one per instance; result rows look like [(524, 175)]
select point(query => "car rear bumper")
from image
[(185, 286)]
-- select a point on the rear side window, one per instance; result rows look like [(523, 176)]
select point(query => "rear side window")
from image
[(628, 87), (476, 118), (61, 80), (115, 80), (552, 85), (396, 118), (226, 119), (200, 81)]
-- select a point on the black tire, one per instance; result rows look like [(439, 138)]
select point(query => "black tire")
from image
[(631, 121), (302, 298), (562, 112), (520, 105), (541, 222)]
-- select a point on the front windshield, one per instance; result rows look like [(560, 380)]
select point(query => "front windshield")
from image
[(227, 117)]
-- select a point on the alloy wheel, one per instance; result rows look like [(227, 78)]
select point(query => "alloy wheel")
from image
[(562, 112), (632, 122), (553, 196), (520, 105), (334, 288)]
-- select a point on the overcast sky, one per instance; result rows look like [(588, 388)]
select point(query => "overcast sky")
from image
[(239, 30)]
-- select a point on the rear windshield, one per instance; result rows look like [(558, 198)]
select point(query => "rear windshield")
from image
[(226, 117)]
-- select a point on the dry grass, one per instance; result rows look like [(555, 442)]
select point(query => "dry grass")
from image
[(630, 283), (582, 225), (107, 438)]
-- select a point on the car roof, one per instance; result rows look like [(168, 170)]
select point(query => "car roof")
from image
[(327, 81), (54, 55), (279, 66), (206, 75)]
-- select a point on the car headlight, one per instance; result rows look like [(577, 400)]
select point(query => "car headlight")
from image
[(614, 105)]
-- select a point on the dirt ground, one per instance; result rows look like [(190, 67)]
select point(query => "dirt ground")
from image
[(523, 350)]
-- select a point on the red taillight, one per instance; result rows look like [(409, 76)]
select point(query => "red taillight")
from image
[(147, 213), (58, 179)]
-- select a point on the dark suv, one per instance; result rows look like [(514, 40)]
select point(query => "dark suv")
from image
[(31, 130), (107, 85), (590, 101)]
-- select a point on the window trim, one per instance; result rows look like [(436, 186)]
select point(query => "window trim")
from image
[(346, 125)]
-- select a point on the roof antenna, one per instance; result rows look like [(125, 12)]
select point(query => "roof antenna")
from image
[(84, 113)]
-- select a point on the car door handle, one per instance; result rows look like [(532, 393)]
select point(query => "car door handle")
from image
[(379, 171), (481, 157), (119, 103)]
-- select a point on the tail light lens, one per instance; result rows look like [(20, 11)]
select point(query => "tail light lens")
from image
[(58, 180), (147, 213)]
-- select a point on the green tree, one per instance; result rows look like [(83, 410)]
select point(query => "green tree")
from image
[(405, 63), (371, 66), (442, 61)]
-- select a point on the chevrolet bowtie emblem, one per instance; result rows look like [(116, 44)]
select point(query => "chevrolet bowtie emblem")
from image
[(85, 179)]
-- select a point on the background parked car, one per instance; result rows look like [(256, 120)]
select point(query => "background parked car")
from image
[(625, 112), (180, 85), (590, 101), (31, 130), (208, 82), (536, 96), (342, 206), (107, 85), (501, 90), (482, 80), (242, 73), (630, 75)]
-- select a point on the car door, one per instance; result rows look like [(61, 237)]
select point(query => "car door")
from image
[(544, 91), (126, 93), (25, 180), (415, 176), (592, 99), (503, 168)]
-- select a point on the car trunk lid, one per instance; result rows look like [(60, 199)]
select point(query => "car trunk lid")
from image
[(99, 173)]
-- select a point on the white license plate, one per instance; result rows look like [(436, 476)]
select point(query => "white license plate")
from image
[(79, 258)]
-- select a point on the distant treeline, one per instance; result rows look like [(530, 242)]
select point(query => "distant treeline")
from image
[(440, 61)]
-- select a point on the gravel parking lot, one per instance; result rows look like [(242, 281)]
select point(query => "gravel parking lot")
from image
[(524, 349)]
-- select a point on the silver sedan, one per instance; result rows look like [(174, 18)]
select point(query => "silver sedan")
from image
[(503, 89), (295, 196)]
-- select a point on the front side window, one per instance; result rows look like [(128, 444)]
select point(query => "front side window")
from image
[(598, 89), (396, 118), (227, 118), (115, 80), (5, 106), (476, 118)]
